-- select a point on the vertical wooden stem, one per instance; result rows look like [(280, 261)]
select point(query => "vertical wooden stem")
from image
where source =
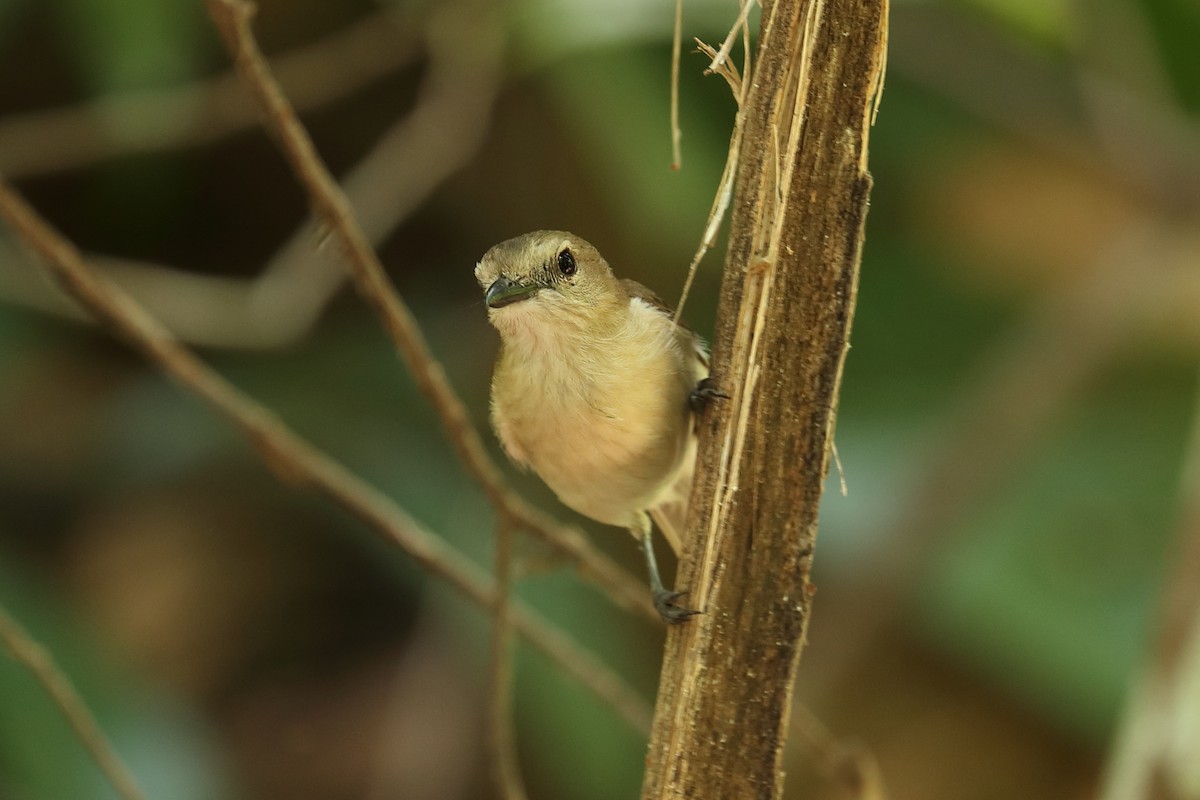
[(787, 300)]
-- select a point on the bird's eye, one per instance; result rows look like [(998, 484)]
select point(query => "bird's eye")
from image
[(566, 263)]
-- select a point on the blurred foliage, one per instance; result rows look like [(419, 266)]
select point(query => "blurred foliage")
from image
[(40, 755), (240, 639)]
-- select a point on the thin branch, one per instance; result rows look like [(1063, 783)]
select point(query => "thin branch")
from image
[(293, 459), (205, 111), (739, 26), (37, 660), (676, 47), (849, 765), (506, 768), (443, 131), (233, 20), (724, 195)]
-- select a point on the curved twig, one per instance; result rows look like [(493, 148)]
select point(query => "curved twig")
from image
[(37, 660)]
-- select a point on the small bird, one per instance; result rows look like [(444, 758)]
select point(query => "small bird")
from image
[(595, 388)]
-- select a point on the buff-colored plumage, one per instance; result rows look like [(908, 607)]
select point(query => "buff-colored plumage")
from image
[(592, 385)]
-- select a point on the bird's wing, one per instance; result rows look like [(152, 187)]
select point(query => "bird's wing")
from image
[(688, 337), (671, 513), (643, 292)]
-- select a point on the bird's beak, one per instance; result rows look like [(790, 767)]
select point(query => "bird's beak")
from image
[(504, 292)]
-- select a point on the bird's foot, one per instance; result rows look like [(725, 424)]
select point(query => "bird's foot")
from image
[(705, 392), (672, 612)]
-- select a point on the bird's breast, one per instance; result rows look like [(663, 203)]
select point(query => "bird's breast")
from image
[(604, 426)]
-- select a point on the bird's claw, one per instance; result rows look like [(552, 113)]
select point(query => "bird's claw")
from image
[(671, 612), (704, 393)]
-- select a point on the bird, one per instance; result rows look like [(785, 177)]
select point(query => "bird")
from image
[(596, 389)]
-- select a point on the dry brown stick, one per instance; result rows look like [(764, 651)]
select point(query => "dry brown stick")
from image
[(506, 768), (676, 47), (233, 20), (205, 111), (724, 193), (293, 459), (787, 299), (34, 658)]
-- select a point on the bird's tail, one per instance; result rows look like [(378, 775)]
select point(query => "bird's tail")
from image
[(670, 517)]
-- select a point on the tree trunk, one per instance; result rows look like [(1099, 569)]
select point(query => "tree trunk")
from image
[(782, 332)]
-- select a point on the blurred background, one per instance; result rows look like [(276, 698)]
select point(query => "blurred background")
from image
[(1014, 424)]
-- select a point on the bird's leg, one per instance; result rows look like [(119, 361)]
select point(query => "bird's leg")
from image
[(704, 393), (664, 598)]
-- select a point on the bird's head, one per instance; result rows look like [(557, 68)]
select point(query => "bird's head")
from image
[(547, 281)]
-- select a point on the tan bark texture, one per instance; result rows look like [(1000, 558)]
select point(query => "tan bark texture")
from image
[(782, 332)]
